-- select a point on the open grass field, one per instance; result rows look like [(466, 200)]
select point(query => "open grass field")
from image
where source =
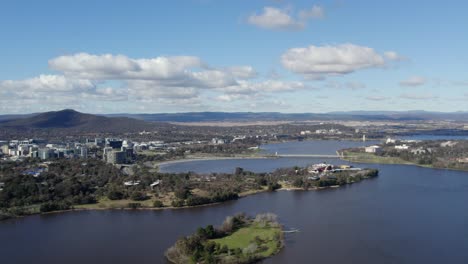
[(105, 203), (243, 237), (372, 158)]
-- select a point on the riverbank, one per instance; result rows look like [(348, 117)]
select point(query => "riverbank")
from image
[(106, 204)]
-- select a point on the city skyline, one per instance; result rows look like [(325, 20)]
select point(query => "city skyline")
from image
[(264, 56)]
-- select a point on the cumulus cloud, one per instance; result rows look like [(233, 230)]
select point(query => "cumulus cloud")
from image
[(413, 81), (247, 90), (283, 19), (177, 71), (394, 56), (59, 89), (100, 80), (108, 66), (144, 90), (47, 83), (242, 72), (321, 61)]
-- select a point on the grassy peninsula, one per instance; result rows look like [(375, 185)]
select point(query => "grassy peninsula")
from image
[(240, 239), (32, 186)]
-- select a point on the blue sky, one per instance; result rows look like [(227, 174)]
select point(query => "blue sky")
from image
[(206, 55)]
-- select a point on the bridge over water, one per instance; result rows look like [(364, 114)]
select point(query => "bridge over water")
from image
[(338, 155), (307, 156)]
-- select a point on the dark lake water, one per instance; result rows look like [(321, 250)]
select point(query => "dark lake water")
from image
[(406, 215)]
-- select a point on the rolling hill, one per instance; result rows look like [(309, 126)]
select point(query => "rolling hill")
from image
[(75, 121)]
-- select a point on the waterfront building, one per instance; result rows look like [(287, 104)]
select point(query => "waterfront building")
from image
[(373, 149)]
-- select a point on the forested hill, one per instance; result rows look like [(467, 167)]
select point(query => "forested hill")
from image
[(75, 121)]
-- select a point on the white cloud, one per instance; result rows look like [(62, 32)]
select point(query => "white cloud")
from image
[(86, 81), (143, 90), (247, 90), (232, 97), (108, 66), (267, 86), (418, 96), (242, 72), (106, 94), (377, 98), (283, 19), (394, 56), (322, 61), (413, 81), (274, 18), (59, 89), (174, 71), (46, 83)]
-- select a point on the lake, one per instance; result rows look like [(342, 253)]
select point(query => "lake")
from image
[(408, 214)]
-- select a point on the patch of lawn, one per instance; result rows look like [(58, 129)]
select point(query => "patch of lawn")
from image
[(245, 236), (372, 158), (105, 203)]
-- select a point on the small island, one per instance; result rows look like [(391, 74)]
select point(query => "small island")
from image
[(240, 239)]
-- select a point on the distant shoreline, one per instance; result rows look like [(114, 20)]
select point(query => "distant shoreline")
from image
[(352, 157)]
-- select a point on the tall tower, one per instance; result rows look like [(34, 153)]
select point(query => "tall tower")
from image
[(364, 138)]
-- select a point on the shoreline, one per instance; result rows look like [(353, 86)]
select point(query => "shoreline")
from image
[(242, 195)]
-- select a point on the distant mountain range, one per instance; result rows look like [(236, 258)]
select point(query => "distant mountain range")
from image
[(273, 116), (71, 119)]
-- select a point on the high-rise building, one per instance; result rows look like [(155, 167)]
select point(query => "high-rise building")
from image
[(105, 151), (114, 143), (45, 153), (5, 149), (84, 152), (116, 157), (100, 142)]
